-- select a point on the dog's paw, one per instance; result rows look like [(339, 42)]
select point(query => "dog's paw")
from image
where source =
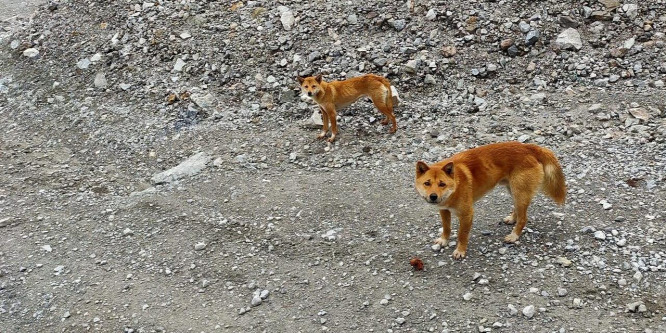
[(511, 238), (458, 254), (321, 135), (510, 219), (443, 242), (385, 121), (331, 139)]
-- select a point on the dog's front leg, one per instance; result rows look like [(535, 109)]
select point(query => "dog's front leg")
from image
[(443, 240), (333, 118), (465, 220), (324, 120)]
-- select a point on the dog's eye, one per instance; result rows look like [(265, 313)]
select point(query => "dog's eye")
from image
[(442, 184), (426, 183), (305, 86)]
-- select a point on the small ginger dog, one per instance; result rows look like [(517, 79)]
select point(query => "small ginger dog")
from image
[(454, 184), (335, 95)]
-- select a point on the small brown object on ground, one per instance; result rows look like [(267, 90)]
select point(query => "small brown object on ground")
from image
[(416, 263)]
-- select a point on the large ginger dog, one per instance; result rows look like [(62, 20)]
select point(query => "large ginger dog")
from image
[(335, 95), (454, 184)]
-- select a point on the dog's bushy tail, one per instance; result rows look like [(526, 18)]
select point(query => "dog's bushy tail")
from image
[(553, 182)]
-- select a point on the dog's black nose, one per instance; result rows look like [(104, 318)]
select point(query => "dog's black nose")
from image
[(309, 93), (433, 197)]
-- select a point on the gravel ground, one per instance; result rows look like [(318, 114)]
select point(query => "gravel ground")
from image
[(159, 173)]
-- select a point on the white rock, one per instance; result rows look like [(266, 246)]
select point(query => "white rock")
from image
[(467, 296), (436, 247), (400, 320), (512, 310), (185, 35), (178, 66), (631, 10), (128, 231), (431, 15), (100, 81), (190, 167), (287, 18), (577, 303), (207, 101), (599, 235), (47, 248), (569, 39), (96, 57), (314, 121), (256, 300), (638, 276), (529, 311), (124, 86), (605, 204), (199, 246), (621, 242), (31, 52), (83, 63)]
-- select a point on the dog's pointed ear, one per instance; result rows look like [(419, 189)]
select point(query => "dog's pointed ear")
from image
[(448, 168), (300, 79), (318, 78), (421, 168)]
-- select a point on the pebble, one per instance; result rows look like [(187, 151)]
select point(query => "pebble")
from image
[(529, 311), (178, 66), (47, 248), (512, 310), (199, 246), (185, 35), (599, 235), (564, 262), (100, 81), (256, 300), (569, 39), (431, 15), (83, 63), (562, 292), (287, 19), (30, 53), (467, 296)]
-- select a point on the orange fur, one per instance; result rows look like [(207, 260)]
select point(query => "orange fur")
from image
[(454, 184), (335, 95)]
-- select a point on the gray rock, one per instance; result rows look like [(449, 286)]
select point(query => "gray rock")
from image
[(529, 311), (287, 18), (512, 310), (100, 81), (83, 63), (398, 25), (411, 66), (569, 39), (562, 292), (178, 66), (314, 121), (429, 79), (532, 37), (207, 101), (431, 15), (256, 300), (31, 52), (524, 27), (190, 167), (199, 246), (631, 10), (599, 235), (380, 62), (352, 19)]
